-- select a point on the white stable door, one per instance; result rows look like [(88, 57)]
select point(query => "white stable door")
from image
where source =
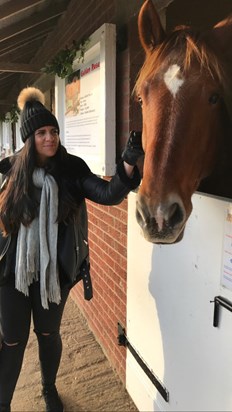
[(170, 317)]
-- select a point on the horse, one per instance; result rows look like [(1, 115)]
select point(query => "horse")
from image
[(184, 89)]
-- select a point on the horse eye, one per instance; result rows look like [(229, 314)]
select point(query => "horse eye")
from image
[(140, 100), (214, 98)]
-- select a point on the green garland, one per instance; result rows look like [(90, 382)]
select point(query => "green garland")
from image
[(61, 64), (12, 116)]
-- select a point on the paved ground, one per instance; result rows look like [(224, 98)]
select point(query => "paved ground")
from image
[(86, 381)]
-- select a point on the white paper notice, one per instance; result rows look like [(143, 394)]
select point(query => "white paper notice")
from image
[(82, 116), (226, 277)]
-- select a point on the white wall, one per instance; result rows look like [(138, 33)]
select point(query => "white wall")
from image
[(6, 139), (19, 142)]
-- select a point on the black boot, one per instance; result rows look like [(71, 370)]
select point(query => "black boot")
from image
[(52, 399), (5, 407)]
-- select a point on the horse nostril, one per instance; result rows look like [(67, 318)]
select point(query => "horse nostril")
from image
[(139, 218), (176, 215)]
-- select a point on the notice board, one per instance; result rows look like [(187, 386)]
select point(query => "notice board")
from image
[(85, 103)]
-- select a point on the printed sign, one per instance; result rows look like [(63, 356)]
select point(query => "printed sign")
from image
[(82, 111), (226, 278), (85, 103)]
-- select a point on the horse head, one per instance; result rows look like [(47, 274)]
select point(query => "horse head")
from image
[(183, 89)]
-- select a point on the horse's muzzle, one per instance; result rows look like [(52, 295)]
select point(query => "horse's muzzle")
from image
[(163, 222)]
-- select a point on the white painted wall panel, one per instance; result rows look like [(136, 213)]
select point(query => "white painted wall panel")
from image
[(170, 317)]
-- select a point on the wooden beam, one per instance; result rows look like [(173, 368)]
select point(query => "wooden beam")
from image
[(22, 41), (29, 23), (19, 68), (11, 8)]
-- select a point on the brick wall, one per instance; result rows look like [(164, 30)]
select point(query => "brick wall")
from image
[(107, 237), (108, 250)]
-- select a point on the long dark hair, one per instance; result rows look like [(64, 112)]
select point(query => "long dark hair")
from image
[(17, 203)]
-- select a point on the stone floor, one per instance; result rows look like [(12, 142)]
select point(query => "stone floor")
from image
[(86, 380)]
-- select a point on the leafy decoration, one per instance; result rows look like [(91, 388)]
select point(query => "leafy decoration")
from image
[(61, 64), (2, 117), (12, 116)]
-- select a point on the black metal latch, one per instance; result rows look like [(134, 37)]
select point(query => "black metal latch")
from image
[(225, 303), (123, 341)]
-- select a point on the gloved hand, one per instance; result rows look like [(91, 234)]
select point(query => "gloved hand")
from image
[(133, 149)]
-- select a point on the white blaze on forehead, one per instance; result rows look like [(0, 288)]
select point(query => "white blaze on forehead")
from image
[(172, 79)]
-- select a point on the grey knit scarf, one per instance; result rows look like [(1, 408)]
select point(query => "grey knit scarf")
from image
[(36, 253)]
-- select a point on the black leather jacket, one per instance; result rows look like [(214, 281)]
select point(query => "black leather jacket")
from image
[(83, 184)]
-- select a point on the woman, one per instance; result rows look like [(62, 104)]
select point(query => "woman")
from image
[(44, 191)]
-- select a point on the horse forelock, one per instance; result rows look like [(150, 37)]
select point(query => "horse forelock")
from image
[(182, 47)]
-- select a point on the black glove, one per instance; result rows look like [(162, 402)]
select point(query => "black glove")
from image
[(133, 149)]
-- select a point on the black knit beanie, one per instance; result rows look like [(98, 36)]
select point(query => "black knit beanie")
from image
[(33, 112)]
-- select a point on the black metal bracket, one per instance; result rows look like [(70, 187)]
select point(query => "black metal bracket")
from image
[(225, 303), (123, 341)]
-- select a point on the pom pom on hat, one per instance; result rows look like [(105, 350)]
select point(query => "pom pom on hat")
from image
[(33, 112), (30, 94)]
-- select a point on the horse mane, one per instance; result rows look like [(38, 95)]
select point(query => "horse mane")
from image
[(182, 46)]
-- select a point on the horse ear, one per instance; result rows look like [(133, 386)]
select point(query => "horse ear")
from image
[(151, 32)]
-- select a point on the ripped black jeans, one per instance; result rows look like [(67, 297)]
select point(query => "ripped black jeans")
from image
[(15, 319)]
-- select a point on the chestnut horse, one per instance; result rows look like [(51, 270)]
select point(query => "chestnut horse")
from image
[(184, 90)]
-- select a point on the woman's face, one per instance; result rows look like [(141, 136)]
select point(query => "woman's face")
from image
[(46, 143)]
